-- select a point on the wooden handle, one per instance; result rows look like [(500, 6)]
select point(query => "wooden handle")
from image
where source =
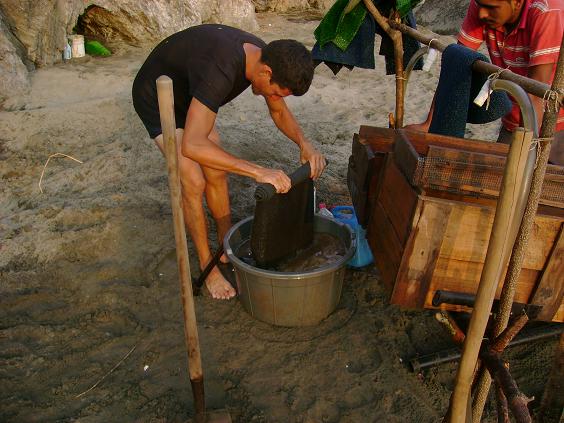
[(168, 125)]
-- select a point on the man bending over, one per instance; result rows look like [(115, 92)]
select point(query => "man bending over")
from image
[(210, 65)]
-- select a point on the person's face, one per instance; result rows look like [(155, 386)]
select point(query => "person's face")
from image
[(264, 86), (497, 13)]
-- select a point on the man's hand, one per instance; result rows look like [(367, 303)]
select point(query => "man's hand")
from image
[(279, 179), (316, 160)]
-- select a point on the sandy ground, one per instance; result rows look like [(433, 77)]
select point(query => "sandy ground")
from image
[(88, 271)]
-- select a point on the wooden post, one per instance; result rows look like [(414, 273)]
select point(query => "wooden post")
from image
[(168, 124), (396, 37)]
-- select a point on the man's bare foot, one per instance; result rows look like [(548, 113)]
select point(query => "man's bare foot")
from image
[(218, 286)]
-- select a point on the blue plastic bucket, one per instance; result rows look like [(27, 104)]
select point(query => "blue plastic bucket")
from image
[(363, 255)]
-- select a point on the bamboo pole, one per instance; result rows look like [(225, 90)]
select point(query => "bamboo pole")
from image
[(397, 40), (518, 255), (168, 124)]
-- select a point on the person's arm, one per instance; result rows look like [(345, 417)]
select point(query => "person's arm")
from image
[(285, 121), (197, 146), (541, 73)]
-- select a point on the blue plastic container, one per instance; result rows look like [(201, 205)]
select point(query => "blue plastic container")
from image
[(363, 255)]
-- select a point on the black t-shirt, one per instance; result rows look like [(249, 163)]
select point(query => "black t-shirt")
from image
[(206, 62)]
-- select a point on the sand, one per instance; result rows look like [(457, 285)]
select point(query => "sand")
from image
[(88, 271)]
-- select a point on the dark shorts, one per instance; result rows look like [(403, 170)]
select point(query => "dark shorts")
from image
[(146, 105)]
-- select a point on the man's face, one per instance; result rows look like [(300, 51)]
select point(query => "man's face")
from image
[(497, 13), (271, 90)]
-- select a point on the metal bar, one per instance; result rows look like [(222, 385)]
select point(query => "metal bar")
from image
[(419, 364), (509, 212)]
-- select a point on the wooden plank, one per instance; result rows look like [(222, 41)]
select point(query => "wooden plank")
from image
[(559, 316), (380, 140), (360, 163), (543, 210), (398, 199), (468, 233), (385, 246), (421, 142), (421, 255), (364, 175), (550, 290), (464, 276)]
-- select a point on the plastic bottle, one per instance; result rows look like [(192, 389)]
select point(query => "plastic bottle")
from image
[(67, 51), (324, 211), (363, 255)]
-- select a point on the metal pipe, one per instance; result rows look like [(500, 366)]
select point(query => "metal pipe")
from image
[(508, 216), (418, 364), (412, 62), (467, 300)]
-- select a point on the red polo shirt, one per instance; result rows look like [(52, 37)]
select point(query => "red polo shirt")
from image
[(535, 41)]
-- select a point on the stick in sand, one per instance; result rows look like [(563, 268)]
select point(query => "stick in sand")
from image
[(108, 373), (47, 162)]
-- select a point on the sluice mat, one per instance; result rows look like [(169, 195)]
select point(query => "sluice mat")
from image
[(282, 224)]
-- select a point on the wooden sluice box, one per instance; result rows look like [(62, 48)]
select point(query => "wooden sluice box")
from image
[(428, 204)]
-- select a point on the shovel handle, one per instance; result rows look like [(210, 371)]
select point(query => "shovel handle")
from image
[(168, 125)]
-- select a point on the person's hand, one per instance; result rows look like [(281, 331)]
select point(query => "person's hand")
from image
[(275, 177), (421, 127), (316, 160)]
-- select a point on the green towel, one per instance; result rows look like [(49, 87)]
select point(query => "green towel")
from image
[(339, 28), (95, 48), (405, 6)]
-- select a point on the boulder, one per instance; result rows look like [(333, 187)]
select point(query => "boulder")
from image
[(13, 67), (442, 17)]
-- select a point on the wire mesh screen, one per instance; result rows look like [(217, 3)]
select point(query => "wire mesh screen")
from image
[(471, 173)]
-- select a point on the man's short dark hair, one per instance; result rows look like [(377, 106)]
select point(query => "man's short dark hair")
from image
[(291, 64)]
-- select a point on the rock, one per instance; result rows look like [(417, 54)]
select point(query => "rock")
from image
[(34, 33), (293, 5), (442, 17), (14, 71)]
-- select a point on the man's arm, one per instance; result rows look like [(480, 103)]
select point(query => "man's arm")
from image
[(285, 121), (197, 146)]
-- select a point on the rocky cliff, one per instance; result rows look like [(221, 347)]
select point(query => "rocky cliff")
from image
[(441, 16), (34, 33)]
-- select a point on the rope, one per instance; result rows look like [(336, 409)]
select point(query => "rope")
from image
[(552, 98), (536, 143), (492, 78)]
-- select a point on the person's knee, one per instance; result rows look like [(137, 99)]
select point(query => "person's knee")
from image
[(193, 184)]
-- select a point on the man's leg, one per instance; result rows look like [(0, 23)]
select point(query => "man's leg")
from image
[(193, 186), (217, 196)]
